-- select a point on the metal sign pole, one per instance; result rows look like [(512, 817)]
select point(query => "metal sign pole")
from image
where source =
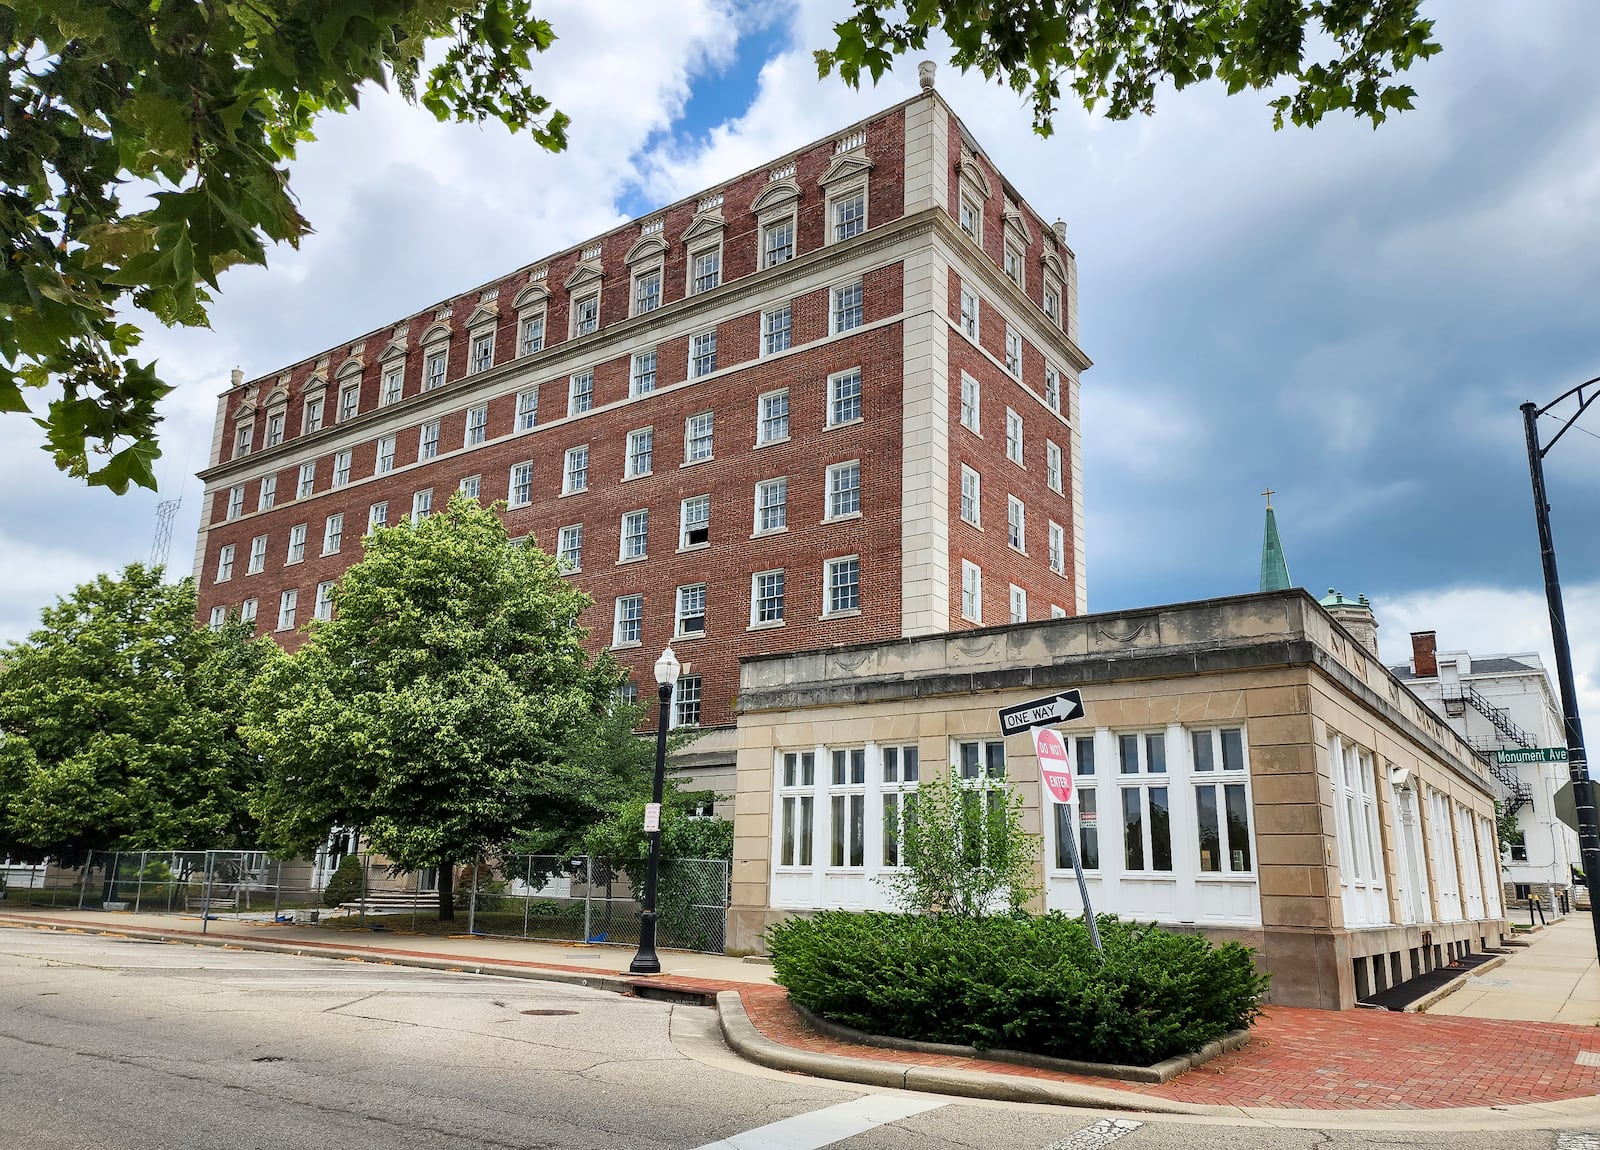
[(1083, 885), (205, 898)]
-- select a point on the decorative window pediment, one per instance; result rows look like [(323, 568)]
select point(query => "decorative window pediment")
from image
[(651, 247), (317, 382), (395, 350), (534, 295), (437, 330), (484, 313), (1016, 225), (778, 194), (1052, 264), (972, 174), (845, 167), (278, 398), (706, 226), (582, 275), (350, 369)]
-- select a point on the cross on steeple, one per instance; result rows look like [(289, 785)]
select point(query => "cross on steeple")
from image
[(1269, 493)]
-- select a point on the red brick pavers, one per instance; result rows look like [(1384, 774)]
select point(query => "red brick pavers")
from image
[(1313, 1059)]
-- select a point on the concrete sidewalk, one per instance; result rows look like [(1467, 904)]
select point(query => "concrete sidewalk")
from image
[(1556, 978)]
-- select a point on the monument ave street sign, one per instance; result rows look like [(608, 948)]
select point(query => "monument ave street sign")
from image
[(1531, 755)]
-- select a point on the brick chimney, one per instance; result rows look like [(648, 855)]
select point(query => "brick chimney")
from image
[(1424, 654)]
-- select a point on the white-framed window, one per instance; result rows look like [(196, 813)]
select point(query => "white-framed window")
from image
[(569, 547), (777, 243), (286, 608), (1058, 548), (297, 543), (697, 436), (258, 556), (477, 424), (647, 291), (775, 330), (847, 802), (1146, 801), (241, 440), (313, 415), (694, 521), (520, 489), (772, 419), (797, 780), (847, 214), (766, 599), (225, 563), (702, 353), (385, 461), (236, 500), (219, 618), (377, 515), (393, 386), (428, 441), (308, 480), (341, 468), (981, 763), (1052, 302), (629, 693), (1057, 611), (324, 605), (580, 392), (969, 403), (1013, 266), (1443, 843), (586, 314), (333, 533), (635, 534), (1222, 802), (705, 270), (842, 584), (433, 370), (1013, 352), (971, 219), (530, 338), (690, 615), (969, 313), (1052, 465), (844, 397), (274, 429), (901, 771), (686, 702), (971, 591), (247, 610), (844, 489), (1019, 604), (349, 402), (848, 311), (421, 504), (575, 470), (1081, 750), (269, 492), (471, 486), (641, 450), (1052, 388), (1355, 799), (642, 374), (628, 621), (1013, 437), (971, 496), (772, 505), (1016, 523), (482, 357), (527, 409)]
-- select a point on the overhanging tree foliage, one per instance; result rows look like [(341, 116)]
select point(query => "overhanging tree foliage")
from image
[(432, 712), (118, 725)]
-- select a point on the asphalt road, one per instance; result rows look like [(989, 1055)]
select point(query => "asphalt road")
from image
[(122, 1045)]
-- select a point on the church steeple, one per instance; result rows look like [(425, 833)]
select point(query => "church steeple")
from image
[(1274, 567)]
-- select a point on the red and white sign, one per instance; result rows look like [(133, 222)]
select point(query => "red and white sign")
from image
[(1054, 766)]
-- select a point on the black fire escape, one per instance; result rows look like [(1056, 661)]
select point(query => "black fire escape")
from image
[(1517, 791)]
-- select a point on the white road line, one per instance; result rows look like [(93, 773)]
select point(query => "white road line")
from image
[(1103, 1133), (1577, 1140), (827, 1126)]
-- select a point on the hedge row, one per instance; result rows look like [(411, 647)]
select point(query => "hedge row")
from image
[(1019, 982)]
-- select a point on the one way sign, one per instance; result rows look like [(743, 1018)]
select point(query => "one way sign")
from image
[(1046, 712)]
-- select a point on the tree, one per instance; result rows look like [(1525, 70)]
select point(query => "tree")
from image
[(118, 725), (200, 104), (963, 850), (431, 712), (1114, 53)]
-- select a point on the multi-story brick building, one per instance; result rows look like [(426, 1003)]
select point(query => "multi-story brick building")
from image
[(832, 400)]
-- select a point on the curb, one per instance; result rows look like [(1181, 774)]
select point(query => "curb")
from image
[(1420, 1006)]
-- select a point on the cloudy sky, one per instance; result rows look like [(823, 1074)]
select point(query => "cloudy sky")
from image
[(1351, 317)]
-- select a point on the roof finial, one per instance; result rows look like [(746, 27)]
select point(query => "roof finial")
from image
[(1269, 493), (1274, 567), (925, 75)]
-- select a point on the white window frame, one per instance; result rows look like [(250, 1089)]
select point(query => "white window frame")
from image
[(634, 538), (341, 468), (477, 429), (1013, 352), (584, 323), (349, 402), (1052, 465), (686, 701), (642, 373), (835, 491), (1360, 846), (421, 504), (847, 809), (569, 548), (393, 388), (224, 563), (1052, 387), (519, 487), (627, 618), (766, 609), (702, 353), (530, 333), (1013, 263), (377, 515), (580, 392), (1221, 764), (1014, 437), (771, 502), (844, 397), (639, 454), (323, 608), (288, 602), (297, 545), (428, 441), (704, 269), (575, 470), (688, 597), (471, 486), (768, 228), (777, 329), (971, 505), (258, 556), (638, 297), (480, 357), (769, 419), (268, 495), (248, 609), (1058, 548), (1016, 524), (900, 767), (275, 422), (311, 416), (971, 591), (307, 486), (242, 437), (1019, 604), (1150, 772), (832, 586), (969, 218), (235, 502), (970, 310), (688, 527), (384, 462), (971, 404), (333, 533), (435, 364), (847, 307), (693, 437), (527, 414), (796, 773), (841, 229)]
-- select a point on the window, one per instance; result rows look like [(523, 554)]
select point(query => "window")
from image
[(341, 469), (421, 504), (847, 801), (225, 563), (646, 291), (796, 780), (297, 543), (1052, 302), (775, 327), (333, 533), (527, 409), (694, 521), (982, 760), (691, 611), (847, 310), (844, 397), (219, 618), (247, 611), (635, 534), (1146, 801), (324, 605), (1052, 388), (1013, 437), (482, 358), (433, 371), (705, 271), (971, 592), (349, 403), (393, 387), (629, 693), (849, 215), (531, 338), (241, 441), (702, 354), (569, 547), (275, 429), (269, 492), (971, 219), (842, 580), (1052, 465), (286, 606), (580, 392), (477, 424), (575, 473), (1081, 751), (686, 705), (1058, 548), (1222, 809), (641, 447), (766, 599), (1013, 265), (258, 556), (1013, 352), (236, 500), (642, 379), (377, 516), (1361, 872), (1019, 604), (777, 243), (1057, 612), (628, 620), (697, 431), (586, 315), (971, 496), (969, 313), (900, 771), (428, 442), (471, 486), (385, 455), (772, 505), (313, 415), (1016, 523), (772, 423), (520, 489), (844, 489), (969, 403)]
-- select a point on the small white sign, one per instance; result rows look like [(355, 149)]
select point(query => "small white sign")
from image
[(652, 818)]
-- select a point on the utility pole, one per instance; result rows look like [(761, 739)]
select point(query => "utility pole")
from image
[(1577, 761)]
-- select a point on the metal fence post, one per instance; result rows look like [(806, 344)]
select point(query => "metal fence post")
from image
[(277, 893), (366, 861), (472, 895), (205, 898), (83, 878), (138, 888), (527, 895)]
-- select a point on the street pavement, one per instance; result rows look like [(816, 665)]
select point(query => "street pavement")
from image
[(1555, 979)]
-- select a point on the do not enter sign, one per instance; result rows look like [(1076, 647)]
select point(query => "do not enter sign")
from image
[(1054, 766)]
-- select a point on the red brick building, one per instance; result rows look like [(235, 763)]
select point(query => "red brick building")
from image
[(830, 401)]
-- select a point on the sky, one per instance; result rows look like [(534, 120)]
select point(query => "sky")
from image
[(1351, 317)]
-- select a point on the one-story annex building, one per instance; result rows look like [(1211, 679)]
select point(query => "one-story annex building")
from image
[(1247, 767)]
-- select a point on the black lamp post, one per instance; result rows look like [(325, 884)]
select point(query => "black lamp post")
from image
[(646, 962), (1577, 762)]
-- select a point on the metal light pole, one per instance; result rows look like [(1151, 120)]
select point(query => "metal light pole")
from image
[(1577, 761), (646, 962)]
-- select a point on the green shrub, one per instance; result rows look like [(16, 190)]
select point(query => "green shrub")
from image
[(345, 885), (1019, 982)]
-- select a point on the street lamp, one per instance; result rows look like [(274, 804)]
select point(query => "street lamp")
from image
[(1577, 761), (646, 962)]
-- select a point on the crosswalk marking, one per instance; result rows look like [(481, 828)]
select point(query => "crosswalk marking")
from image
[(831, 1124), (1577, 1140), (1108, 1130)]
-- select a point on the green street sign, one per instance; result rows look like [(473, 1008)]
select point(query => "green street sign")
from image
[(1531, 755)]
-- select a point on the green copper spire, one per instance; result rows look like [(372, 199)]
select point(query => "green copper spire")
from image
[(1274, 567)]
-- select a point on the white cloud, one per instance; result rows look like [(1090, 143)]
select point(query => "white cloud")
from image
[(35, 577)]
